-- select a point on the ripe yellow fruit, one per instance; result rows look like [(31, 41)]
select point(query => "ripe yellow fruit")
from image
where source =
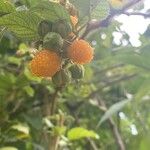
[(74, 20), (45, 64), (80, 52)]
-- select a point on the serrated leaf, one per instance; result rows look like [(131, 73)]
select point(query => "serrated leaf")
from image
[(6, 7), (23, 24), (30, 3), (86, 7), (83, 6), (112, 110), (51, 11), (101, 11), (78, 133), (8, 148)]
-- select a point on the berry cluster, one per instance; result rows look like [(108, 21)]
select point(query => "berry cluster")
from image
[(62, 54)]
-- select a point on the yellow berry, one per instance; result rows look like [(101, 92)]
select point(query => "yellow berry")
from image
[(45, 64), (80, 52)]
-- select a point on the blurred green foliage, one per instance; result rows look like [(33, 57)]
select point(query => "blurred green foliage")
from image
[(118, 76)]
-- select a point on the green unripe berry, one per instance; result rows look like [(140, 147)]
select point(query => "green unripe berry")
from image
[(61, 78), (53, 41), (77, 71), (62, 27), (44, 27)]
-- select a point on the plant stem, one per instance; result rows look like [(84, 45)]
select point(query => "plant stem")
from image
[(104, 23), (54, 139), (113, 126), (54, 101)]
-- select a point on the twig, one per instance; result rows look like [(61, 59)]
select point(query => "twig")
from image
[(73, 110), (49, 109), (109, 68), (116, 134), (115, 131), (81, 28), (53, 144), (130, 4), (53, 101), (92, 143), (145, 15), (104, 23), (124, 78)]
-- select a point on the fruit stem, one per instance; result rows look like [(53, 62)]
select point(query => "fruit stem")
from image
[(53, 101), (54, 139)]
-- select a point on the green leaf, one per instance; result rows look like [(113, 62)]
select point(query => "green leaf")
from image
[(21, 128), (59, 130), (30, 76), (48, 123), (35, 120), (136, 57), (112, 110), (51, 11), (78, 133), (143, 90), (8, 148), (14, 60), (22, 81), (83, 6), (7, 81), (30, 3), (23, 24), (6, 7), (98, 8), (101, 11), (2, 32), (144, 144), (29, 90)]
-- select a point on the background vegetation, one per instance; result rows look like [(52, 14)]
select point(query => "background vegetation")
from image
[(107, 110)]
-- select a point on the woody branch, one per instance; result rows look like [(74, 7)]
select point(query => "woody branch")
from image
[(92, 25)]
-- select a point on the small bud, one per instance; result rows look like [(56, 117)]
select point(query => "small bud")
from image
[(53, 41), (61, 78), (20, 53), (77, 71), (44, 27), (63, 28)]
